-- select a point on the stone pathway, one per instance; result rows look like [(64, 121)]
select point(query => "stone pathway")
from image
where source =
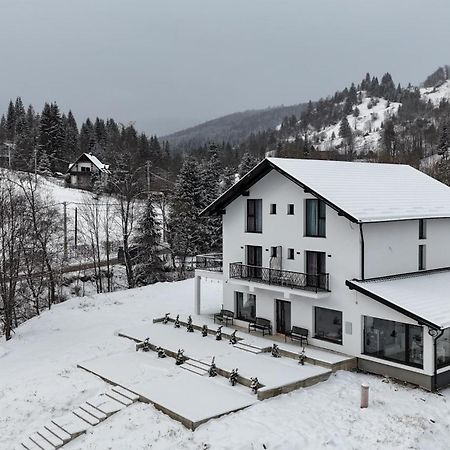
[(64, 429)]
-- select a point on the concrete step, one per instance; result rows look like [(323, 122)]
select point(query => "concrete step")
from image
[(248, 348), (198, 364), (28, 444), (194, 369), (93, 411), (105, 404), (41, 442), (126, 393), (71, 424), (119, 398), (83, 415), (50, 437), (58, 432)]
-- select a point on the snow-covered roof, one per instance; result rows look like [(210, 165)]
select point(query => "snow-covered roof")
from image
[(371, 192), (94, 160), (425, 295)]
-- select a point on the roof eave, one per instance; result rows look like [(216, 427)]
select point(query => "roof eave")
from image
[(353, 286)]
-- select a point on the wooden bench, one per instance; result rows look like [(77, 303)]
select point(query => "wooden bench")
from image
[(297, 333), (260, 324), (224, 316)]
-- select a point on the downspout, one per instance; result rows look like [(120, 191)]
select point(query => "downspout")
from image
[(435, 334), (362, 250)]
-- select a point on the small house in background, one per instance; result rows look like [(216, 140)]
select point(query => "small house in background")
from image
[(86, 170)]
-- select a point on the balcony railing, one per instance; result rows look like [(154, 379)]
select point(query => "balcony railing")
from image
[(212, 262), (277, 277)]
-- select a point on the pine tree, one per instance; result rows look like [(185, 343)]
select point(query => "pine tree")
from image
[(444, 143), (149, 267), (44, 166), (210, 187), (10, 122), (71, 138), (248, 162), (345, 131), (185, 230), (51, 135)]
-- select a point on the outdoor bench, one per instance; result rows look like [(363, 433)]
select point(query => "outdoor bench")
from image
[(260, 324), (224, 316), (297, 333)]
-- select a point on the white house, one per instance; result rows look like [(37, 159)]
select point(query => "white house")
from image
[(356, 253), (87, 168)]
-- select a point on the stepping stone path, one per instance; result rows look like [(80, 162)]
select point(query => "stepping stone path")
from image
[(64, 429)]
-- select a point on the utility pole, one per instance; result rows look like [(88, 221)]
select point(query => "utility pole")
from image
[(35, 164), (76, 228), (65, 230)]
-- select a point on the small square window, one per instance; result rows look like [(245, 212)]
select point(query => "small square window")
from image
[(290, 209), (273, 252), (273, 208), (290, 253)]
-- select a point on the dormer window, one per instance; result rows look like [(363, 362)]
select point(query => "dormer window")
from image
[(254, 216), (315, 218)]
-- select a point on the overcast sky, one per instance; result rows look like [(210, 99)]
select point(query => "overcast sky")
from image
[(168, 64)]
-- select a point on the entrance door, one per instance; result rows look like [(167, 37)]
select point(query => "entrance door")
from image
[(254, 259), (283, 316)]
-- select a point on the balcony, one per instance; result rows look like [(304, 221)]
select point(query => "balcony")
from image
[(284, 278), (212, 262)]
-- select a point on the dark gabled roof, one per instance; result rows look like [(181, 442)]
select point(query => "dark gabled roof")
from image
[(252, 177)]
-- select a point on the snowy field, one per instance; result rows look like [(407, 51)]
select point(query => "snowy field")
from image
[(39, 381)]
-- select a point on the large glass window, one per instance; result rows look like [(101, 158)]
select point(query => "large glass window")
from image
[(394, 341), (315, 218), (245, 306), (254, 216), (328, 324), (443, 349), (315, 269)]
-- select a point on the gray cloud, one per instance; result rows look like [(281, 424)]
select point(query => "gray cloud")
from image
[(167, 64)]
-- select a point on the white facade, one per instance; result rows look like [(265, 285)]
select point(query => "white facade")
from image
[(353, 251)]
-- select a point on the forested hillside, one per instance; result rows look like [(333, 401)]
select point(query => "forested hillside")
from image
[(232, 128)]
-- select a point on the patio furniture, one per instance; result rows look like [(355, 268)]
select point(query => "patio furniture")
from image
[(224, 316), (260, 324), (297, 333)]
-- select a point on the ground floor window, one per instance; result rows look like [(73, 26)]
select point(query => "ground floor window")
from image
[(245, 306), (393, 341), (328, 324), (443, 349)]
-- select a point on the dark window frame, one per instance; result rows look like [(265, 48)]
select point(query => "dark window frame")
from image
[(291, 254), (273, 252), (422, 263), (422, 229), (407, 327), (291, 209), (273, 209), (244, 297), (254, 216), (319, 221), (338, 341)]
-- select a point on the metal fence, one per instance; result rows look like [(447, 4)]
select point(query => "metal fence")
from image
[(277, 277)]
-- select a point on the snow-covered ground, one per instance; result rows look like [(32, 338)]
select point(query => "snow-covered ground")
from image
[(436, 94), (39, 381), (366, 127)]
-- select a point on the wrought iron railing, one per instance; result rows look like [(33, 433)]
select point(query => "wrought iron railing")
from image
[(277, 277), (211, 261)]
